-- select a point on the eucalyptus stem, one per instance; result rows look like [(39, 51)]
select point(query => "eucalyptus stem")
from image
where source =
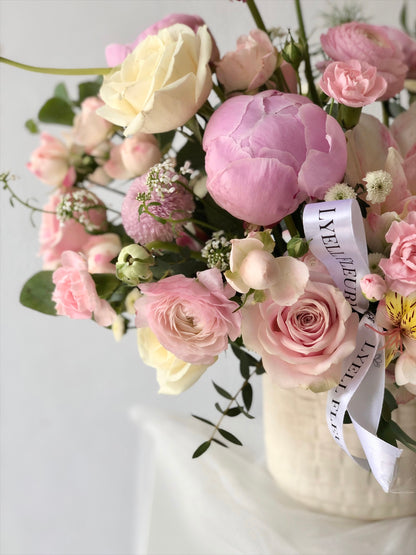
[(308, 68), (251, 4), (58, 71), (4, 178)]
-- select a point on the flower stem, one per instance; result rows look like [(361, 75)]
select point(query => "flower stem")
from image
[(290, 225), (308, 68), (256, 15), (58, 71)]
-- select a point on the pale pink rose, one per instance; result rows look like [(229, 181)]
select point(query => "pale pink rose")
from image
[(250, 65), (75, 294), (400, 268), (56, 237), (252, 267), (373, 287), (133, 157), (407, 45), (100, 250), (50, 162), (371, 44), (305, 344), (116, 53), (317, 270), (192, 318), (90, 129), (353, 83)]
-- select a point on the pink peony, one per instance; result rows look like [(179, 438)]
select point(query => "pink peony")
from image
[(371, 44), (50, 162), (353, 83), (133, 157), (268, 152), (250, 65), (192, 318), (373, 287), (303, 345), (75, 294), (400, 268), (116, 53), (177, 204), (89, 128)]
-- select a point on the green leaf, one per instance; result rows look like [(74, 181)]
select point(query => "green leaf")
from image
[(386, 433), (201, 449), (165, 140), (402, 436), (220, 442), (62, 92), (32, 126), (56, 110), (347, 418), (389, 405), (203, 420), (89, 88), (105, 284), (193, 152), (233, 411), (194, 126), (229, 436), (218, 407), (222, 391), (37, 293), (247, 394)]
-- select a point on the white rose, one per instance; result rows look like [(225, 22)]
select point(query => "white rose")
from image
[(161, 84), (173, 375)]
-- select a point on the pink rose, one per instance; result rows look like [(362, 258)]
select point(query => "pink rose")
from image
[(400, 268), (89, 128), (305, 344), (408, 47), (192, 318), (268, 152), (100, 250), (373, 287), (50, 162), (371, 44), (75, 294), (353, 83), (133, 157), (250, 65), (116, 53)]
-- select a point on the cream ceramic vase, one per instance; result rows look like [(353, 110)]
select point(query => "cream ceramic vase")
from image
[(310, 467)]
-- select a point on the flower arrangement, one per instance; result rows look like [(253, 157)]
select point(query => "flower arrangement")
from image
[(263, 210)]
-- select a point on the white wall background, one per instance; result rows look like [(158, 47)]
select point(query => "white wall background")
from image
[(68, 448)]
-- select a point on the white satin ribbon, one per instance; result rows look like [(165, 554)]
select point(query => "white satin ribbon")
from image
[(337, 238)]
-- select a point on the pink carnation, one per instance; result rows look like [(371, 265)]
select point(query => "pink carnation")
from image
[(352, 83), (268, 152), (373, 287), (75, 294), (305, 344), (400, 267), (192, 318), (178, 205), (371, 44)]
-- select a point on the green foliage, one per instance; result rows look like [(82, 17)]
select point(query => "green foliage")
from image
[(106, 284), (37, 293), (89, 88), (62, 92), (31, 126), (56, 110), (201, 449)]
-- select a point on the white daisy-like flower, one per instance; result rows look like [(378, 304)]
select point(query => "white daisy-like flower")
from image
[(379, 185), (340, 191)]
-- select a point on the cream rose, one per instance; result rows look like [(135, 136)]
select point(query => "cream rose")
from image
[(161, 84), (173, 374)]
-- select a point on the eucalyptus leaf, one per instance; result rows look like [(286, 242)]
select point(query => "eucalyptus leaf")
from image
[(201, 449), (229, 436), (56, 110), (247, 394), (37, 293), (222, 391), (220, 442), (203, 420)]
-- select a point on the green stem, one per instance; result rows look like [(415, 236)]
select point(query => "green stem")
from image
[(256, 15), (386, 115), (219, 92), (58, 71), (290, 224), (308, 68)]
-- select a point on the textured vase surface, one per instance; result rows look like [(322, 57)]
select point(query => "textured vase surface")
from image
[(308, 465)]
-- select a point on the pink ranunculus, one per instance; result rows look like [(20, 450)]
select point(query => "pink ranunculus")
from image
[(400, 267), (100, 250), (373, 287), (178, 205), (353, 83), (268, 152), (250, 65), (75, 294), (192, 318), (116, 53), (90, 129), (305, 344), (371, 44), (56, 237), (133, 157), (403, 130), (50, 162), (407, 45)]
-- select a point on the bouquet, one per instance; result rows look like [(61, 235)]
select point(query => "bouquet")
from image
[(261, 209)]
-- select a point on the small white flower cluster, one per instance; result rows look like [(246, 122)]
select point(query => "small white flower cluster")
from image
[(217, 251), (379, 185), (161, 178), (340, 191), (76, 206)]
